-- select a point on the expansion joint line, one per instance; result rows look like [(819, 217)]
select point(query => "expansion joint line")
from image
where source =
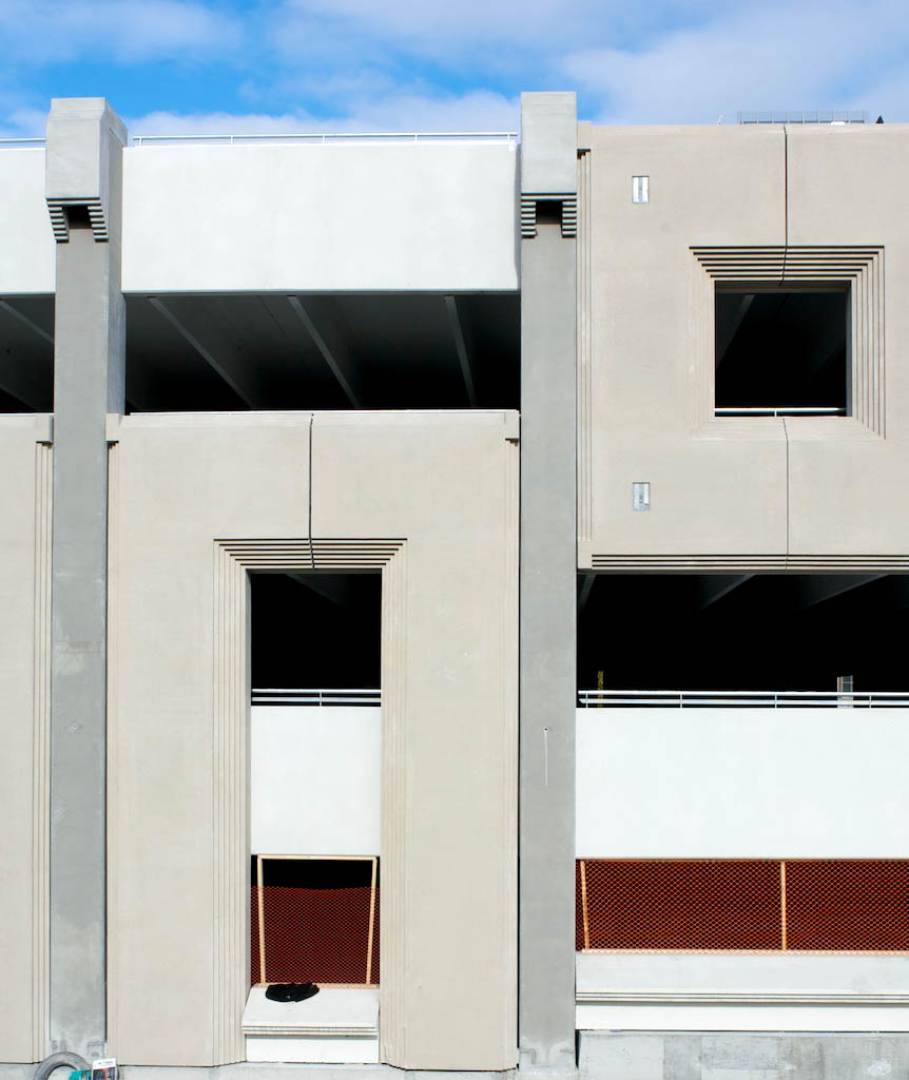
[(785, 201), (786, 435), (312, 558)]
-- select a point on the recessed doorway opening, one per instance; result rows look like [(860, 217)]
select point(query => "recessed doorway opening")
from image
[(315, 815)]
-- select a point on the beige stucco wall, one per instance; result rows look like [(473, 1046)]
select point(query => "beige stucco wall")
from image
[(730, 486), (850, 188), (24, 638), (443, 487)]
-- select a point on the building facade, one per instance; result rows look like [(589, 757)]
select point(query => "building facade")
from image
[(461, 572)]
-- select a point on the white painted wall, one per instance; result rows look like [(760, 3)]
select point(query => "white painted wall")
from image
[(725, 1017), (316, 780), (743, 991), (768, 974), (323, 218), (727, 783), (27, 255)]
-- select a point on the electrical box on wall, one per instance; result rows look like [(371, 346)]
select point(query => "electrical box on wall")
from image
[(640, 495)]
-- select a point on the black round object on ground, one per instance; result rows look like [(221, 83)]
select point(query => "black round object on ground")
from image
[(291, 991)]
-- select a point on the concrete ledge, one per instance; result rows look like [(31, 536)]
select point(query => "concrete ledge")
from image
[(272, 1071), (703, 1055)]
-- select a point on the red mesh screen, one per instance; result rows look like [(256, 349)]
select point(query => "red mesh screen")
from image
[(851, 904), (579, 908), (690, 904), (728, 904), (254, 961), (316, 922)]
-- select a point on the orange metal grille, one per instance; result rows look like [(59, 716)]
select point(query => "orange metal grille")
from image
[(315, 920), (728, 904), (848, 904)]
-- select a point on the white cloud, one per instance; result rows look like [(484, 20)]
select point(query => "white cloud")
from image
[(479, 111), (342, 65), (436, 27), (45, 31), (777, 56), (19, 123)]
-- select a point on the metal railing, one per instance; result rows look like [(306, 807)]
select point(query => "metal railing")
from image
[(318, 698), (740, 699), (804, 116), (333, 138), (314, 138), (780, 410)]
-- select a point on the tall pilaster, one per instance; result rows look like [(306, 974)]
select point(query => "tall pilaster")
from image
[(83, 188), (548, 581)]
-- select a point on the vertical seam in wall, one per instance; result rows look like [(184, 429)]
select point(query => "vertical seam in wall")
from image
[(878, 276), (41, 757), (785, 201), (786, 435), (112, 771), (312, 563), (510, 677), (584, 316)]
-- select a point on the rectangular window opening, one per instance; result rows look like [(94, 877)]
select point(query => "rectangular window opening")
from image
[(782, 351), (757, 639), (315, 782), (314, 920)]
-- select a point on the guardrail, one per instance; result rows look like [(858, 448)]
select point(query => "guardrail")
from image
[(740, 699), (781, 410), (804, 116), (318, 698), (324, 138), (315, 138)]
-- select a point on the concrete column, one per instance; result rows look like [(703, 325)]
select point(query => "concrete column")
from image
[(84, 162), (548, 582)]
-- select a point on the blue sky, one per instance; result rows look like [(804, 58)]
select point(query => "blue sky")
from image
[(191, 66)]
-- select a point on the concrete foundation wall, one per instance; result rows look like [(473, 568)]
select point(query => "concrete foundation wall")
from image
[(25, 495), (439, 493), (707, 1055)]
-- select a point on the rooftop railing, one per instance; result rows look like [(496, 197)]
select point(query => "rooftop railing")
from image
[(332, 138), (317, 698), (780, 410), (323, 138), (804, 116), (740, 699)]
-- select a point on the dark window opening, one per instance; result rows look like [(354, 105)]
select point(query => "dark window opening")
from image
[(313, 918), (316, 631), (736, 632), (26, 354), (782, 351)]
